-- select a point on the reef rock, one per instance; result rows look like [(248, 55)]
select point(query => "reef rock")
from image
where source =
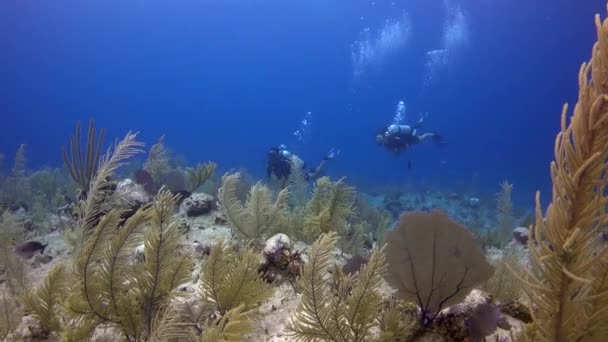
[(474, 202), (132, 192), (277, 242), (197, 204), (521, 234)]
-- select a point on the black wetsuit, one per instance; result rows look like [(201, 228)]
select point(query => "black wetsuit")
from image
[(278, 164), (400, 141)]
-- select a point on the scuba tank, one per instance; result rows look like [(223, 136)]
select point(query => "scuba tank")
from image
[(395, 129)]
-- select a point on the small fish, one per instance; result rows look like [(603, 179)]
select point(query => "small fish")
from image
[(29, 249), (409, 164)]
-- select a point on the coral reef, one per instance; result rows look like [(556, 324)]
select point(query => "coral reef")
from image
[(198, 175), (434, 261), (347, 315), (83, 164), (259, 216), (231, 279), (568, 286), (504, 206)]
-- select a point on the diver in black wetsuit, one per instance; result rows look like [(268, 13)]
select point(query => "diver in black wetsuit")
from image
[(280, 162), (397, 138)]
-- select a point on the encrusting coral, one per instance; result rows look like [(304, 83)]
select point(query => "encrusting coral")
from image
[(434, 262), (568, 286)]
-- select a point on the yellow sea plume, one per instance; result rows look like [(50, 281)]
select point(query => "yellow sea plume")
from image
[(569, 285)]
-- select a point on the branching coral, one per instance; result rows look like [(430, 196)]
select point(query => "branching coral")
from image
[(504, 205), (504, 286), (199, 175), (15, 190), (84, 168), (298, 186), (398, 321), (19, 167), (569, 288), (158, 164), (434, 261), (259, 216), (16, 280), (229, 328), (10, 314), (95, 205), (327, 210), (45, 301), (107, 288), (347, 315), (230, 280)]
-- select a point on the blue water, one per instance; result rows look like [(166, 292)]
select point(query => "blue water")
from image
[(224, 80)]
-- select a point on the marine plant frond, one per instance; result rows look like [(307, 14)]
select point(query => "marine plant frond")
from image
[(83, 164), (164, 268), (158, 164), (313, 320), (346, 316), (329, 207), (568, 289), (364, 300), (298, 186), (199, 175), (115, 263), (80, 329), (169, 325), (10, 314), (19, 166), (504, 286), (259, 216), (382, 226), (93, 207), (14, 268), (353, 238), (504, 206), (87, 296), (231, 327), (230, 279), (45, 301), (398, 322)]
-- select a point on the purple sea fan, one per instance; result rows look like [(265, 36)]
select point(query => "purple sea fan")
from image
[(484, 320)]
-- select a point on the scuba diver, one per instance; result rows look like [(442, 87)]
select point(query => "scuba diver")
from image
[(397, 138), (280, 162)]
